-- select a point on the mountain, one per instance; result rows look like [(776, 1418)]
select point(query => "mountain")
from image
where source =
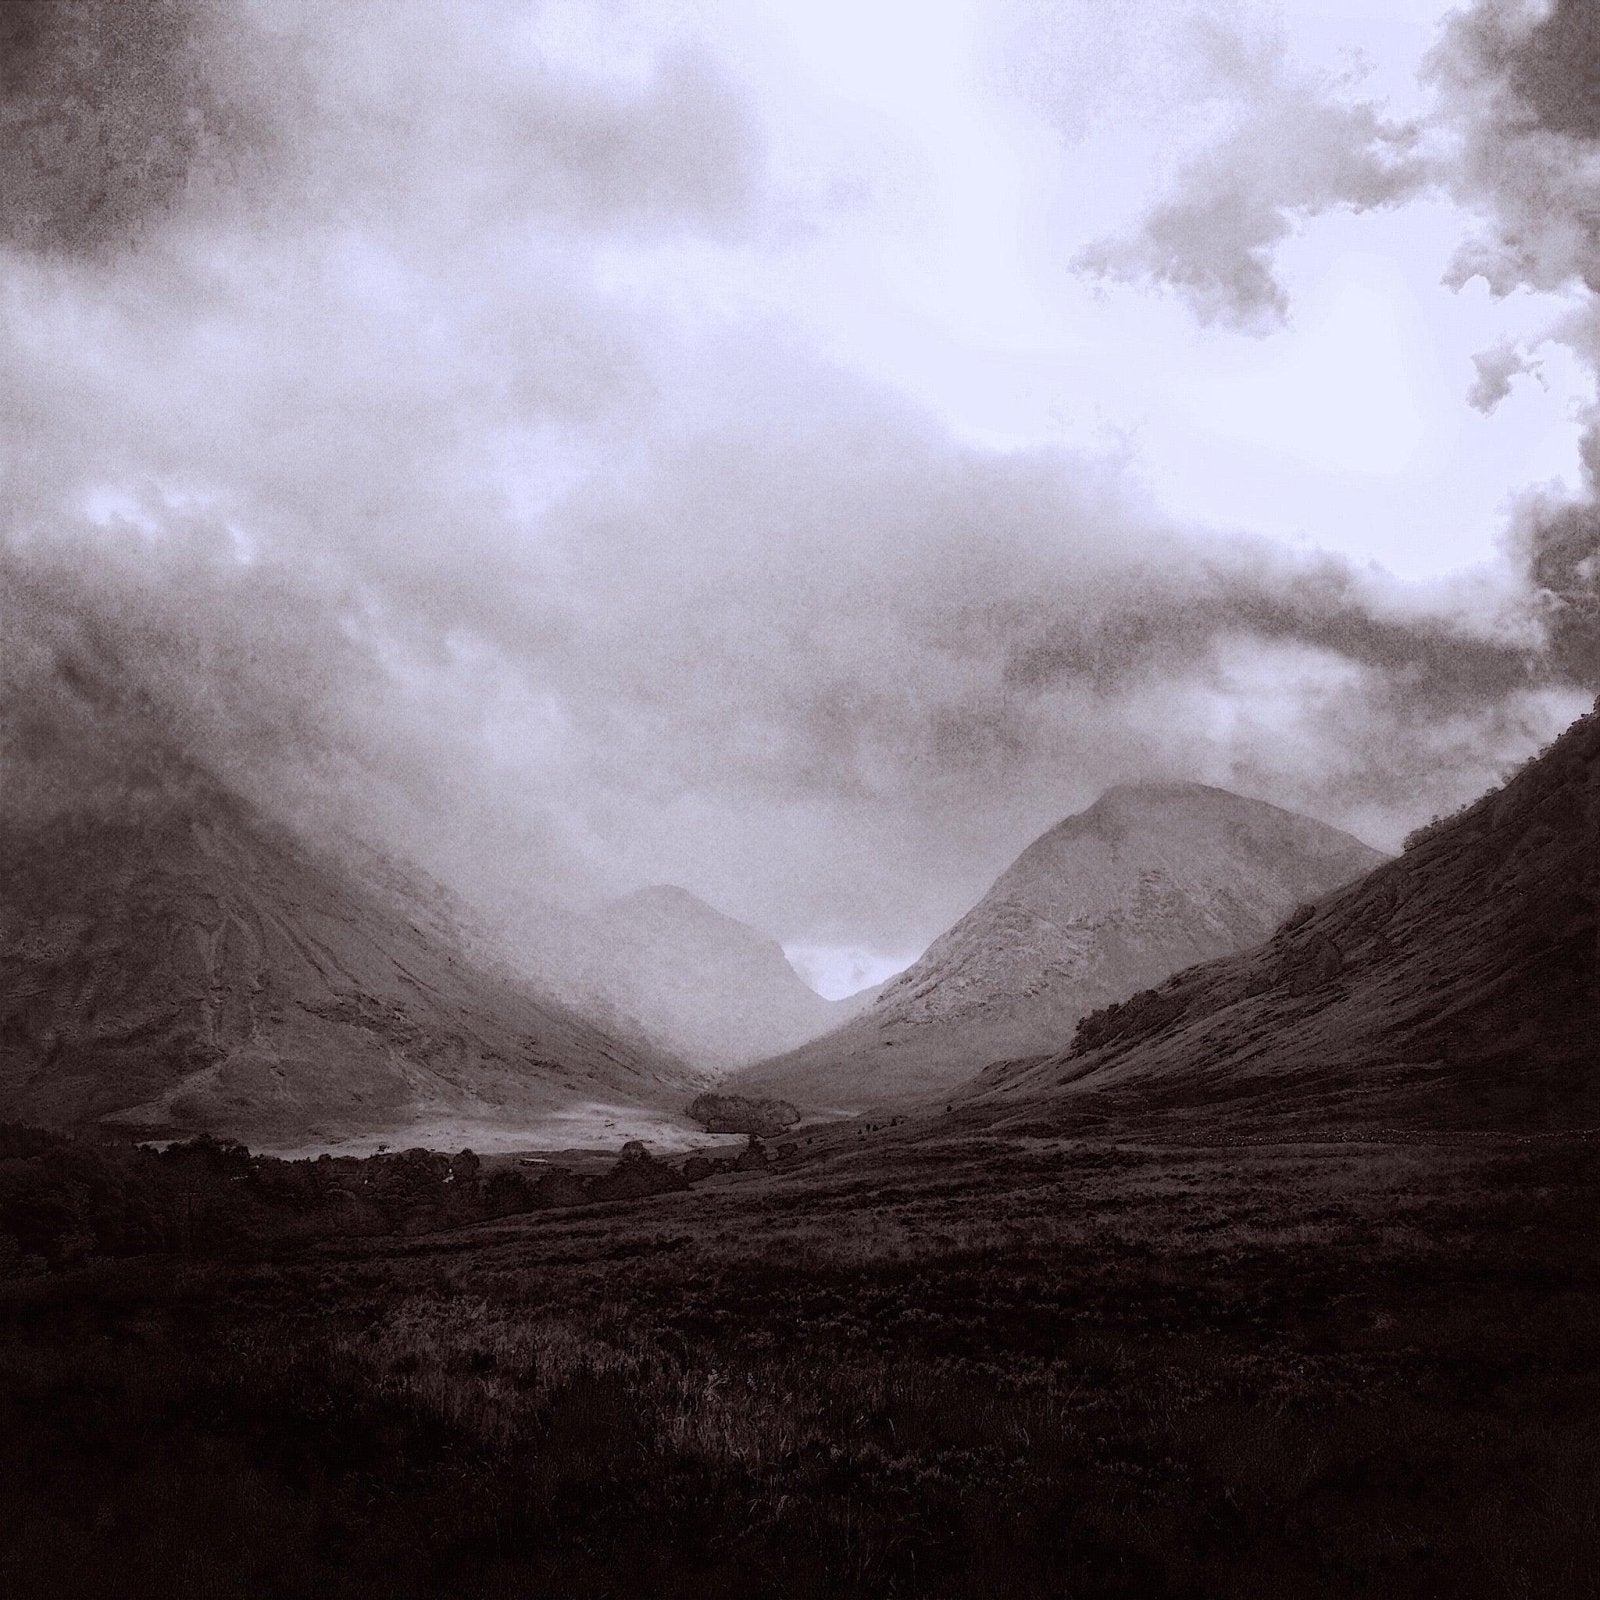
[(703, 985), (1150, 878), (1457, 986), (172, 957)]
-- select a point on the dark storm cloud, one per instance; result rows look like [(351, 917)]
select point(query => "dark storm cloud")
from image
[(395, 516), (114, 112), (1559, 542), (1516, 87), (1520, 95), (1553, 69), (109, 109), (1169, 624)]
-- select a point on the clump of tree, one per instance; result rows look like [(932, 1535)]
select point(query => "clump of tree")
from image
[(65, 1199), (738, 1113), (1144, 1013)]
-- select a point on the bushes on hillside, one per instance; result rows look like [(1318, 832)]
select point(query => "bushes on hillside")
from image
[(738, 1113), (64, 1200)]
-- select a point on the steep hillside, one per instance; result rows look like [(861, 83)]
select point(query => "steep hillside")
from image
[(1149, 879), (705, 986), (1456, 986), (169, 956)]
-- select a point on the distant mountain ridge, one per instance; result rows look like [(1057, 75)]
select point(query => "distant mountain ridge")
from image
[(704, 985), (1149, 879), (1457, 986)]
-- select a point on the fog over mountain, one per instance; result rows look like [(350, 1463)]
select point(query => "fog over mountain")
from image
[(707, 988), (1150, 879), (496, 431), (174, 960)]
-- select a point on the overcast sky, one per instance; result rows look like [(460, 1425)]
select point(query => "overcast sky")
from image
[(801, 451)]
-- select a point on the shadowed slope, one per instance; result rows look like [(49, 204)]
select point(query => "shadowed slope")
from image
[(1456, 986), (171, 956), (1149, 879)]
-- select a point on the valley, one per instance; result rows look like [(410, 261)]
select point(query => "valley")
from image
[(401, 1269)]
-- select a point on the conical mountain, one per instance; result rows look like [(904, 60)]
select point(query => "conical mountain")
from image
[(1456, 986), (1149, 879)]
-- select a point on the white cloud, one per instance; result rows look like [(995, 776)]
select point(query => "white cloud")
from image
[(510, 455)]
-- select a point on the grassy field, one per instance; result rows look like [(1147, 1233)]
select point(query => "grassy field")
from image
[(893, 1366)]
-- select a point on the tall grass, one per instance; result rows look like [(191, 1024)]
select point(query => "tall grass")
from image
[(1181, 1375)]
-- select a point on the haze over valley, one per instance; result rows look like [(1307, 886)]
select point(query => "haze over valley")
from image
[(799, 800)]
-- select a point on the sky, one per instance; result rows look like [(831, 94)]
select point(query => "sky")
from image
[(798, 452)]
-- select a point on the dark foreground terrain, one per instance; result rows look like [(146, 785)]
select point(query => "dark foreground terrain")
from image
[(891, 1365)]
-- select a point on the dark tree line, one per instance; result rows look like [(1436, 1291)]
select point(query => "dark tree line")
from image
[(64, 1200)]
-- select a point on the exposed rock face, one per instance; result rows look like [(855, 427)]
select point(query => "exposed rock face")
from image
[(704, 986), (169, 955), (1149, 879), (735, 1113), (1456, 986)]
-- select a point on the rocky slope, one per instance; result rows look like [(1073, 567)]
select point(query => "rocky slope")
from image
[(1149, 879), (170, 956), (1457, 986)]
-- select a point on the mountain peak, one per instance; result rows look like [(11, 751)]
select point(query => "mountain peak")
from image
[(1182, 796), (1157, 790), (1150, 878), (1457, 985)]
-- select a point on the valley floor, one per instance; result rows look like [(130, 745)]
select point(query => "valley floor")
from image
[(976, 1366), (595, 1126)]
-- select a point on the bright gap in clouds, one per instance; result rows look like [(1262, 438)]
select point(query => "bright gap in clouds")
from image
[(1348, 429), (838, 971)]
